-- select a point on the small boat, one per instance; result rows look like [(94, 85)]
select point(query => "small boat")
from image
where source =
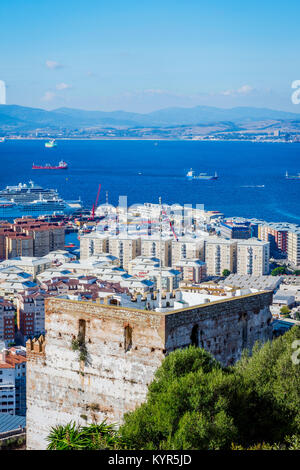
[(70, 245), (253, 186), (292, 177), (2, 139), (51, 143), (202, 176)]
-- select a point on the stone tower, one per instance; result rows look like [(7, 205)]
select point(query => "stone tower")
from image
[(98, 360)]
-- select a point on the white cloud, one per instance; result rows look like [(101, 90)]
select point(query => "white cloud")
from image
[(227, 92), (243, 90), (48, 96), (52, 64), (62, 86), (154, 91)]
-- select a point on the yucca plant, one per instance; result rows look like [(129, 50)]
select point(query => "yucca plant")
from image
[(92, 437)]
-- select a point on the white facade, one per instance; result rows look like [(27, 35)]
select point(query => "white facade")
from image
[(93, 244), (253, 257), (187, 248), (294, 247), (155, 247), (220, 254)]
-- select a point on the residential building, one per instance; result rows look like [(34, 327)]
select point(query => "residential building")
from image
[(193, 270), (187, 248), (31, 314), (253, 257), (236, 230), (141, 266), (93, 244), (220, 254), (18, 244), (294, 246), (155, 247), (13, 381), (276, 234), (7, 321), (125, 248), (30, 237), (29, 264)]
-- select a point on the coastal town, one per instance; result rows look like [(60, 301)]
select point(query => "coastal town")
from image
[(149, 231), (148, 257)]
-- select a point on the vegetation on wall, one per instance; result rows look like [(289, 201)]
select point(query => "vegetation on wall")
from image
[(78, 344)]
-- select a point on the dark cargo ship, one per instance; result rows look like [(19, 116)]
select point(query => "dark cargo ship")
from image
[(61, 166)]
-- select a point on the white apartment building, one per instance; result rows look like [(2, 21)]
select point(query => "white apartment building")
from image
[(220, 254), (294, 246), (13, 381), (125, 248), (193, 270), (29, 264), (93, 244), (169, 279), (31, 314), (141, 266), (253, 257), (154, 247), (187, 248), (61, 256)]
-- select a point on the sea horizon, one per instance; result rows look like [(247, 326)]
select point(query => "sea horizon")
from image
[(251, 180)]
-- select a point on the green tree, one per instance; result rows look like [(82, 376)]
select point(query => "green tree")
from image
[(285, 310), (194, 403), (225, 272), (278, 271)]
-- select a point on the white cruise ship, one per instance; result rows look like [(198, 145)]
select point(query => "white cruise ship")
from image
[(33, 200)]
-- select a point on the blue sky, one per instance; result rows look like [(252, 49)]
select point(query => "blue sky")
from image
[(145, 55)]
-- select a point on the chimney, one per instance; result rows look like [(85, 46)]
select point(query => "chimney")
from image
[(3, 354)]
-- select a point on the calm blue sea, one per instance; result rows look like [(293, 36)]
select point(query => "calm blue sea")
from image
[(163, 165)]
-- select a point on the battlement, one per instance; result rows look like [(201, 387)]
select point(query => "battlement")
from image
[(35, 346)]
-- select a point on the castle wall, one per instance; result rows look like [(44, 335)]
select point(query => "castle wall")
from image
[(224, 328), (62, 388), (112, 382)]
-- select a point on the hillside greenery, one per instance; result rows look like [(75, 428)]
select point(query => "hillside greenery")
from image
[(195, 403)]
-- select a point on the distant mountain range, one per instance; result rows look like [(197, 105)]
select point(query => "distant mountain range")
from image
[(20, 118)]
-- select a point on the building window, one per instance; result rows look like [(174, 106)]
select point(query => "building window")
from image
[(127, 338), (153, 249)]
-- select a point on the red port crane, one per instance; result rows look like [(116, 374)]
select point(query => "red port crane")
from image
[(171, 225), (96, 202)]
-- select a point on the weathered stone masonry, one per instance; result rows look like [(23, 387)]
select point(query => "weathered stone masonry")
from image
[(124, 348)]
